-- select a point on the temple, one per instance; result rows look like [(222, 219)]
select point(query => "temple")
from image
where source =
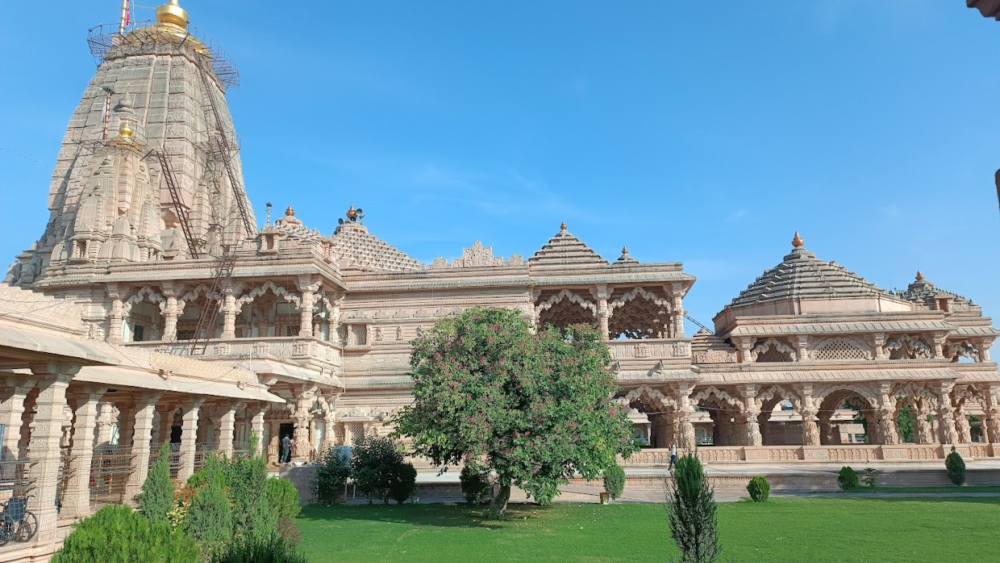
[(154, 309)]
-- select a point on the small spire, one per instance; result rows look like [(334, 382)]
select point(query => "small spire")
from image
[(797, 242), (124, 131), (920, 276), (562, 226), (624, 251), (351, 213)]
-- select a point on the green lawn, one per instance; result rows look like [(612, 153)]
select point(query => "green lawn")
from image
[(785, 529), (945, 490)]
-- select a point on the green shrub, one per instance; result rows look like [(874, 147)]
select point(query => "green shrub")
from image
[(870, 477), (272, 550), (156, 498), (405, 484), (375, 466), (209, 519), (691, 512), (331, 475), (246, 478), (759, 488), (283, 497), (116, 534), (847, 479), (614, 480), (956, 467), (477, 487)]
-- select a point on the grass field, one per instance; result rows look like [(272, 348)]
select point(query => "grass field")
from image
[(813, 530)]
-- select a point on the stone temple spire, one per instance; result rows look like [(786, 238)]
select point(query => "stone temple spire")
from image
[(164, 94)]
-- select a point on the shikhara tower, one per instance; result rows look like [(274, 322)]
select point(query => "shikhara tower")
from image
[(157, 100)]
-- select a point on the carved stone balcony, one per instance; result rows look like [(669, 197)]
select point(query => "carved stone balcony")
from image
[(651, 359), (306, 351)]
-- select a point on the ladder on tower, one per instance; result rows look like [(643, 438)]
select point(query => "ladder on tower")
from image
[(225, 151), (688, 317), (210, 314), (175, 197)]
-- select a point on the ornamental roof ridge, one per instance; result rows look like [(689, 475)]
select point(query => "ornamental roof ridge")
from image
[(925, 293), (565, 249), (357, 248)]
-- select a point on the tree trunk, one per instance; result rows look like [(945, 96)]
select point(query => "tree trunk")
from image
[(500, 502)]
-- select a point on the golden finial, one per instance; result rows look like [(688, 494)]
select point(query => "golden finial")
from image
[(562, 226), (920, 276), (289, 212), (624, 250), (351, 213), (124, 131), (797, 242), (172, 14)]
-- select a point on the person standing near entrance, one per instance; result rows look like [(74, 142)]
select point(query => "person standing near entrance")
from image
[(286, 449), (673, 457)]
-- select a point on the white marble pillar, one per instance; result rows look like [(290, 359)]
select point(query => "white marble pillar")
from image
[(226, 426), (145, 406), (12, 397), (189, 437), (76, 499)]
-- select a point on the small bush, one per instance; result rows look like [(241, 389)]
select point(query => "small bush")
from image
[(477, 488), (847, 479), (956, 467), (406, 482), (759, 488), (870, 477), (375, 466), (115, 534), (331, 475), (614, 480), (246, 479), (156, 499), (274, 550), (283, 497)]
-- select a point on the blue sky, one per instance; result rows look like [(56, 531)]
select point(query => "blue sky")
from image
[(701, 132)]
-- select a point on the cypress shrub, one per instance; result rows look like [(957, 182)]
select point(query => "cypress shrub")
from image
[(691, 512), (283, 497), (116, 534), (253, 518), (331, 475), (847, 479), (156, 498), (405, 484), (956, 467), (210, 517), (477, 488), (759, 488), (614, 480)]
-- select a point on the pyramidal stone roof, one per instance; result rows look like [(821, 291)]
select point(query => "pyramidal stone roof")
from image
[(358, 249), (565, 250), (924, 293), (803, 276)]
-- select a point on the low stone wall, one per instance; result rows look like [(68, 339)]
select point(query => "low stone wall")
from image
[(845, 454)]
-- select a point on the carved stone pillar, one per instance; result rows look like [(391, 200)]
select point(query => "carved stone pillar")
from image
[(12, 398), (939, 338), (115, 320), (677, 315), (984, 350), (43, 447), (203, 436), (166, 427), (145, 406), (922, 431), (257, 428), (802, 348), (808, 411), (171, 310), (748, 419), (685, 411), (226, 425), (106, 417), (962, 427), (229, 311), (301, 446), (601, 293), (878, 342), (991, 421), (885, 415), (189, 437), (946, 418), (76, 499), (307, 287), (745, 343), (126, 422)]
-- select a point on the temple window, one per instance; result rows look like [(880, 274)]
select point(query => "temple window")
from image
[(772, 350)]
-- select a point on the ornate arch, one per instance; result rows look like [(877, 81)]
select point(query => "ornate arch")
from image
[(772, 348), (573, 298), (820, 394), (192, 295), (146, 293), (912, 391), (262, 289), (963, 393), (905, 346), (719, 394), (778, 392), (645, 392), (957, 349), (639, 292)]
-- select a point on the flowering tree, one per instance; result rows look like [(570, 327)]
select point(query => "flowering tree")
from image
[(533, 408)]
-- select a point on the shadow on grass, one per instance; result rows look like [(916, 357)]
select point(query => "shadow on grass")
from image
[(434, 515)]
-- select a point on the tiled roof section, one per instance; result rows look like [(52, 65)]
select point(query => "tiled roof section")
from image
[(704, 341), (803, 276), (625, 260), (356, 248), (924, 293), (565, 250), (293, 228)]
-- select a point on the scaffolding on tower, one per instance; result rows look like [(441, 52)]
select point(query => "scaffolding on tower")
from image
[(215, 298)]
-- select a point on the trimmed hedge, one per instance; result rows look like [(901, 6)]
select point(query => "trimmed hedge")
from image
[(847, 479), (614, 480), (116, 534), (759, 488)]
